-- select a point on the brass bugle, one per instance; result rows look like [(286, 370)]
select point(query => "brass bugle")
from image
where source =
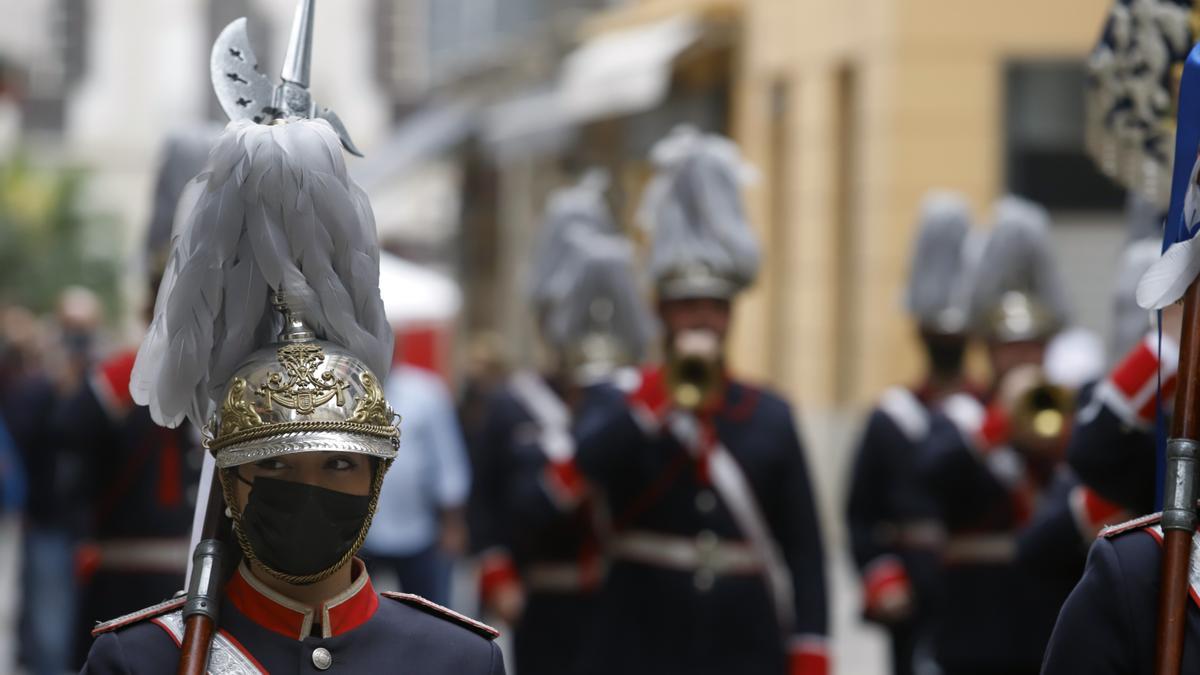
[(1043, 411)]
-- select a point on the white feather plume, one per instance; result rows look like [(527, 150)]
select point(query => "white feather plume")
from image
[(693, 207), (275, 210)]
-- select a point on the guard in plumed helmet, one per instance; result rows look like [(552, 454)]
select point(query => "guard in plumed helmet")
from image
[(1017, 522), (716, 561), (541, 539), (895, 532), (269, 333)]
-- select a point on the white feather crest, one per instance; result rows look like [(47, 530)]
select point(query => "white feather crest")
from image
[(276, 211)]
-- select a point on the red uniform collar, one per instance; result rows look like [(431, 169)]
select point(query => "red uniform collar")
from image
[(654, 397), (344, 612)]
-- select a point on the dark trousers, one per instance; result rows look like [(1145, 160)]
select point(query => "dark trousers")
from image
[(426, 573), (549, 638)]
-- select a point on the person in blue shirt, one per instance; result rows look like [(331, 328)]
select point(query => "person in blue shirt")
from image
[(420, 526)]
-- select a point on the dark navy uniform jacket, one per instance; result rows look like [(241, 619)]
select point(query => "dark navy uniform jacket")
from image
[(1014, 550), (659, 613), (895, 532), (527, 530), (261, 631), (140, 482), (1108, 625)]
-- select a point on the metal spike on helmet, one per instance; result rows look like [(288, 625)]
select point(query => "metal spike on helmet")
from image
[(1018, 293), (938, 288), (702, 243)]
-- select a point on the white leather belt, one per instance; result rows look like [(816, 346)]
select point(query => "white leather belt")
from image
[(981, 548), (914, 534), (705, 552), (144, 555), (560, 577)]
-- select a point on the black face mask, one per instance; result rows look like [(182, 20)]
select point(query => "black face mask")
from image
[(300, 529)]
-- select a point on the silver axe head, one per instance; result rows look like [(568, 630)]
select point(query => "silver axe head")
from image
[(245, 92)]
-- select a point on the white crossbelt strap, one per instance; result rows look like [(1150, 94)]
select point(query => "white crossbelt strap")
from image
[(549, 412), (224, 658), (737, 494), (905, 411)]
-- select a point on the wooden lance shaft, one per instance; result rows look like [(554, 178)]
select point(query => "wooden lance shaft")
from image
[(204, 589), (1179, 493)]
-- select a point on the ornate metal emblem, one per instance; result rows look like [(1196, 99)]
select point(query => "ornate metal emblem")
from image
[(303, 391), (371, 407), (236, 413)]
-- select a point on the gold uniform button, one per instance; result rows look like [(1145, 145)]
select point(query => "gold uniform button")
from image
[(321, 658)]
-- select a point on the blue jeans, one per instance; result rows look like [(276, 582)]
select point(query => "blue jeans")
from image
[(49, 607)]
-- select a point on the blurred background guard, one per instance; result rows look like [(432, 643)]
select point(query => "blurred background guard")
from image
[(1113, 446), (895, 533), (420, 528), (993, 467), (542, 560), (717, 562), (141, 478), (13, 494)]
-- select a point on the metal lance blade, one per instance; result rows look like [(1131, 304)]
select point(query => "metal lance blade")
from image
[(243, 91), (246, 93)]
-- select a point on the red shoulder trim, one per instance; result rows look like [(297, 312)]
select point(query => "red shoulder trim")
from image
[(151, 612), (1131, 525), (430, 607), (111, 383), (652, 393)]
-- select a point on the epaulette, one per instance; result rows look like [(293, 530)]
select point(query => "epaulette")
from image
[(430, 607), (153, 611), (1131, 525)]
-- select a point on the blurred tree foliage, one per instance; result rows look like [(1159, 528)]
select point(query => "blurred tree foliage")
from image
[(48, 241)]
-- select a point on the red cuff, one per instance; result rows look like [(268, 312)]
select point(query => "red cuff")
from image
[(807, 656), (882, 579), (565, 484), (1133, 386), (496, 570)]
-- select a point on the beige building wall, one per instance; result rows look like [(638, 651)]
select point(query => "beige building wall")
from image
[(862, 105), (925, 107)]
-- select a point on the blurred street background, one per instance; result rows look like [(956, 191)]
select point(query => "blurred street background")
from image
[(469, 112)]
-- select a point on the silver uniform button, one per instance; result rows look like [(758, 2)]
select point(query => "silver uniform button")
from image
[(322, 659), (706, 501)]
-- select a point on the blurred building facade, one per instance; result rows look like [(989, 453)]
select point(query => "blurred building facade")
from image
[(850, 109)]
